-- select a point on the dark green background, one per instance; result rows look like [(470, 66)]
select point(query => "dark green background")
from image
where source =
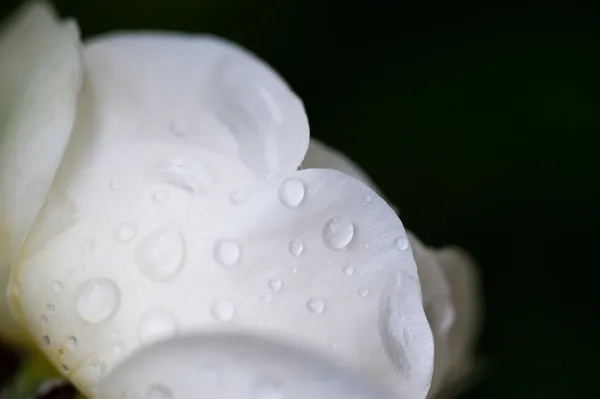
[(480, 122)]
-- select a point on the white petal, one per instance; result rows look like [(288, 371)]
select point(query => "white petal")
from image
[(230, 366), (198, 90), (311, 256), (40, 76)]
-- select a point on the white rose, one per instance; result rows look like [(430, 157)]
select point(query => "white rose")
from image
[(150, 190)]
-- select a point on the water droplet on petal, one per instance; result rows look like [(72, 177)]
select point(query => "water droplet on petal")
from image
[(156, 324), (98, 300), (266, 298), (64, 369), (71, 343), (338, 232), (368, 198), (46, 340), (291, 192), (158, 391), (401, 243), (44, 320), (363, 291), (191, 175), (316, 306), (227, 253), (275, 285), (125, 232), (57, 286), (348, 271), (160, 196), (296, 247), (160, 255), (223, 311)]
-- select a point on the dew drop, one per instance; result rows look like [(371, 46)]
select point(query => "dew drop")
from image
[(296, 247), (155, 325), (46, 340), (348, 271), (363, 291), (57, 286), (160, 196), (160, 255), (125, 232), (316, 306), (50, 308), (401, 243), (158, 391), (227, 253), (275, 285), (64, 369), (223, 311), (190, 175), (98, 300), (368, 198), (44, 320), (338, 232), (291, 192), (71, 343)]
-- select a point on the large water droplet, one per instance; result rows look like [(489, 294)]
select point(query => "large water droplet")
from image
[(223, 311), (125, 232), (160, 255), (296, 247), (98, 300), (316, 306), (191, 175), (155, 325), (401, 243), (275, 285), (338, 232), (159, 391), (291, 192), (228, 253)]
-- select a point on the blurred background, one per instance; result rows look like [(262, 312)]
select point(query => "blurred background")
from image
[(479, 121)]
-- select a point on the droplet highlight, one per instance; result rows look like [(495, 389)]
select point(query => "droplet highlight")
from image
[(98, 300), (160, 255), (275, 285), (338, 232)]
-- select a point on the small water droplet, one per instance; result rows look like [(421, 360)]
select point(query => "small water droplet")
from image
[(227, 253), (159, 391), (296, 247), (294, 270), (178, 128), (160, 196), (125, 232), (64, 369), (368, 198), (291, 192), (223, 311), (98, 300), (275, 285), (71, 343), (44, 320), (50, 308), (61, 352), (237, 198), (97, 369), (268, 388), (156, 324), (348, 271), (316, 306), (401, 243), (190, 175), (46, 340), (266, 298), (160, 255), (363, 291), (57, 286), (338, 232), (114, 185), (87, 247)]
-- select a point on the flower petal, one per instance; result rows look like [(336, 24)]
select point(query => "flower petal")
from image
[(232, 366), (199, 90), (312, 256), (40, 76)]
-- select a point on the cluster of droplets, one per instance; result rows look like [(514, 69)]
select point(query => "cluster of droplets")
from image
[(160, 257)]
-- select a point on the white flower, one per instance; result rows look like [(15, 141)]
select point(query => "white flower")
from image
[(159, 196)]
